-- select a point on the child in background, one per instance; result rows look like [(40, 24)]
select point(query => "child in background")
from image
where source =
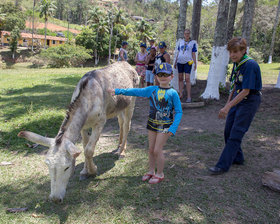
[(140, 59), (161, 124), (150, 62), (123, 52)]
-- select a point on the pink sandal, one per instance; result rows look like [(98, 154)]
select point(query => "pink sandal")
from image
[(155, 179), (147, 176)]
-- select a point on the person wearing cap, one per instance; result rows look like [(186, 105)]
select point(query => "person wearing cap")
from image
[(185, 59), (123, 52), (150, 62), (162, 56), (162, 122), (140, 60), (152, 44), (242, 104)]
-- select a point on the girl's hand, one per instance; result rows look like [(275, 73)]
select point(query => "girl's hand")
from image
[(169, 133), (111, 91)]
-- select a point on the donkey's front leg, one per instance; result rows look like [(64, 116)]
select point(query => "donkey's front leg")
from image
[(90, 168)]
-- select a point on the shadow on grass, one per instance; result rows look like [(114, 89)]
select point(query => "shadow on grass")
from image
[(43, 96), (71, 80)]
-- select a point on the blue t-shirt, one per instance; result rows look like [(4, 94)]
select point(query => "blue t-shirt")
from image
[(162, 103), (249, 76)]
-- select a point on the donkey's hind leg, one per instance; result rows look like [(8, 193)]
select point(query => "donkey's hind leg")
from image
[(128, 113), (120, 121)]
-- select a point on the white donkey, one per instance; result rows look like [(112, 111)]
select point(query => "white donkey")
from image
[(90, 107)]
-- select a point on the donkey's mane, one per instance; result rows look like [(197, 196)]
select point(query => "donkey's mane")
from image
[(71, 109)]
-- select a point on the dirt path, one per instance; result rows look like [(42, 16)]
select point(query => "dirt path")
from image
[(50, 26)]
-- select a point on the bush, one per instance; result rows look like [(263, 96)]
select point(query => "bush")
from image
[(37, 62), (65, 55)]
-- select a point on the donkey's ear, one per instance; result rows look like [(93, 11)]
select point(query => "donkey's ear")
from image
[(36, 138), (72, 149)]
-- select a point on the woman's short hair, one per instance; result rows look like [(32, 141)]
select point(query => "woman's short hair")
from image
[(237, 43)]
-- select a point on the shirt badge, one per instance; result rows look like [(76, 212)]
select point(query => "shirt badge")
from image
[(161, 94), (240, 78)]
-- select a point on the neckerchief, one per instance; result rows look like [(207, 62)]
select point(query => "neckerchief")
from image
[(185, 45), (235, 70)]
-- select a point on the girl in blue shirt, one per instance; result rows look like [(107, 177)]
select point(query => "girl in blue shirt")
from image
[(161, 122)]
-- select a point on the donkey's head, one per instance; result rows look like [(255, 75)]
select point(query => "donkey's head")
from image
[(60, 159)]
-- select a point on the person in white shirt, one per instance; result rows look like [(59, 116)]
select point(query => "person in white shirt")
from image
[(185, 59)]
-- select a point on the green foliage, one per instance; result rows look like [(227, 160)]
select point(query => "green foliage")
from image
[(87, 38), (256, 55), (65, 55), (11, 16), (15, 35), (205, 50)]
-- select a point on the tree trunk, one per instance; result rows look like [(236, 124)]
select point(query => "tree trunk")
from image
[(182, 19), (45, 33), (193, 74), (278, 81), (116, 44), (196, 19), (231, 18), (273, 34), (181, 25), (95, 50), (33, 26), (110, 40), (195, 33), (249, 8), (220, 57)]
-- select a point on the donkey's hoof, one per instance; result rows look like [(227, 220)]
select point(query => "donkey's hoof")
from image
[(85, 176), (121, 156)]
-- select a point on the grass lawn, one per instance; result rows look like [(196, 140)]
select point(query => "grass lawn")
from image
[(36, 100), (269, 72)]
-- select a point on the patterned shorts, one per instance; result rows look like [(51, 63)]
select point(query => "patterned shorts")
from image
[(141, 70), (158, 125)]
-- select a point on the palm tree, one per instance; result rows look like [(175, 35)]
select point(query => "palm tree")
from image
[(33, 25), (119, 20), (99, 24), (220, 57), (273, 34), (95, 14), (145, 30), (47, 8)]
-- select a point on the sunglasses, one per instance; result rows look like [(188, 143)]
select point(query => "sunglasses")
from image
[(163, 75)]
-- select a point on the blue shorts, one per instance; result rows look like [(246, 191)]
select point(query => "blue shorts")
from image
[(149, 76), (184, 68)]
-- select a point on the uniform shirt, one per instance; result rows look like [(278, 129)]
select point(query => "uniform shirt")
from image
[(185, 50), (249, 76), (162, 103)]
